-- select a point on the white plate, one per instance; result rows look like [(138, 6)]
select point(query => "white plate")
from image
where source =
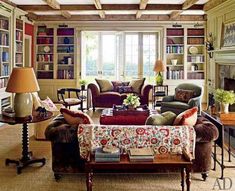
[(46, 49), (193, 50), (110, 149)]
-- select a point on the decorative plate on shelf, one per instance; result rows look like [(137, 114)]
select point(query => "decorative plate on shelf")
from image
[(46, 49), (193, 50), (110, 149)]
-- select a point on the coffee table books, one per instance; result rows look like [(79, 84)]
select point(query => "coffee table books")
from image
[(123, 110), (141, 155), (101, 156)]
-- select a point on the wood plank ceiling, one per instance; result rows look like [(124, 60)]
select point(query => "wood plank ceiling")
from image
[(116, 10)]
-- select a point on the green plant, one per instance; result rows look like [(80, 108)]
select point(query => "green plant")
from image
[(82, 82), (224, 96), (132, 100)]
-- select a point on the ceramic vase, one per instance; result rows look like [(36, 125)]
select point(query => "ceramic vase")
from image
[(224, 107)]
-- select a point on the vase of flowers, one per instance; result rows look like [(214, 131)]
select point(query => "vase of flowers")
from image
[(132, 101), (225, 98)]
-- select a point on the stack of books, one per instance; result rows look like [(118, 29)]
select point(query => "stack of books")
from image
[(141, 155), (102, 156)]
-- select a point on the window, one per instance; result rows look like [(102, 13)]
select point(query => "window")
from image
[(118, 55)]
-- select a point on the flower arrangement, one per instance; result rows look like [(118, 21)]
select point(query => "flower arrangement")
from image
[(132, 100), (224, 96), (82, 83)]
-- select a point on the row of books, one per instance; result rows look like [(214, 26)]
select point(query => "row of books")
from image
[(3, 82), (197, 40), (197, 58), (196, 75), (5, 70), (4, 24), (195, 32), (174, 74), (4, 39), (19, 47), (19, 35), (101, 156), (19, 58), (45, 58), (65, 49), (45, 40), (175, 49), (4, 56), (65, 74)]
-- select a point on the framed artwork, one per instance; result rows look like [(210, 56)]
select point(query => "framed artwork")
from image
[(228, 34)]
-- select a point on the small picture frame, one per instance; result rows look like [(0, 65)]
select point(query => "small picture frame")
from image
[(228, 34)]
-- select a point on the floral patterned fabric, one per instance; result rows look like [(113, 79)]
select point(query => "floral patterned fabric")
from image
[(163, 139)]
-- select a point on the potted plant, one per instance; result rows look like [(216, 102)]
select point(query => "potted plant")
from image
[(83, 84), (132, 101), (225, 98)]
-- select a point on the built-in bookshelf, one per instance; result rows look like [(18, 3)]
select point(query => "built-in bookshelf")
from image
[(5, 65), (19, 32), (65, 53), (175, 53), (195, 53), (45, 52), (185, 53)]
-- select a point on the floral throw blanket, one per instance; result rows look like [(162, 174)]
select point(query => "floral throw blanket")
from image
[(162, 139)]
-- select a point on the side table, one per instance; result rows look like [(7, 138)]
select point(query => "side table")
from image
[(158, 93), (221, 121), (27, 156)]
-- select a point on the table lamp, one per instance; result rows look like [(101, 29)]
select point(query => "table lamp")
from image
[(158, 68), (22, 82)]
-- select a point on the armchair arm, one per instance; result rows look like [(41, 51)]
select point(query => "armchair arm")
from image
[(196, 101), (168, 98), (58, 131)]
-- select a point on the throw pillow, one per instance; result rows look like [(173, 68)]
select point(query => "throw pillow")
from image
[(137, 85), (116, 85), (188, 117), (104, 85), (166, 118), (49, 105), (75, 117), (36, 100), (124, 89), (183, 95)]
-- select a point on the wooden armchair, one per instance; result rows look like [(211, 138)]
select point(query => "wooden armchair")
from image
[(69, 97)]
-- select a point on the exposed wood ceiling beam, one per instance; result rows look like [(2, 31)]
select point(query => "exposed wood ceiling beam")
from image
[(9, 2), (99, 7), (66, 14), (53, 4), (189, 3), (143, 5), (108, 7), (119, 18), (175, 14), (212, 3)]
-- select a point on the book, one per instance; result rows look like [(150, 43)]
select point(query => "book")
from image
[(141, 152), (99, 153), (116, 159)]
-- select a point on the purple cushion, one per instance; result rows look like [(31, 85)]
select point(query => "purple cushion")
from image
[(124, 89), (117, 84)]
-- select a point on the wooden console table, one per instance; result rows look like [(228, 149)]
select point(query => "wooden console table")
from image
[(26, 154), (221, 120), (161, 162)]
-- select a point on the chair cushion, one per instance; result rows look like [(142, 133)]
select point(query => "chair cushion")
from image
[(166, 118), (124, 89), (188, 117), (75, 117), (104, 85), (137, 85), (176, 105), (72, 101), (183, 95)]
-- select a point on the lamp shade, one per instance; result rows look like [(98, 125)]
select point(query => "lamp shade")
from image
[(159, 66), (22, 80)]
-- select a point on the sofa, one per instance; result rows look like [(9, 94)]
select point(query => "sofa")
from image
[(106, 99), (66, 151)]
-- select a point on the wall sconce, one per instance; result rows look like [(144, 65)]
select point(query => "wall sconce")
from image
[(209, 44)]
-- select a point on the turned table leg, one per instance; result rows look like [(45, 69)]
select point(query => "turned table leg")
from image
[(182, 178), (188, 178), (89, 177)]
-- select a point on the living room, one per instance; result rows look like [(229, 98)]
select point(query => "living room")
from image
[(113, 94)]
